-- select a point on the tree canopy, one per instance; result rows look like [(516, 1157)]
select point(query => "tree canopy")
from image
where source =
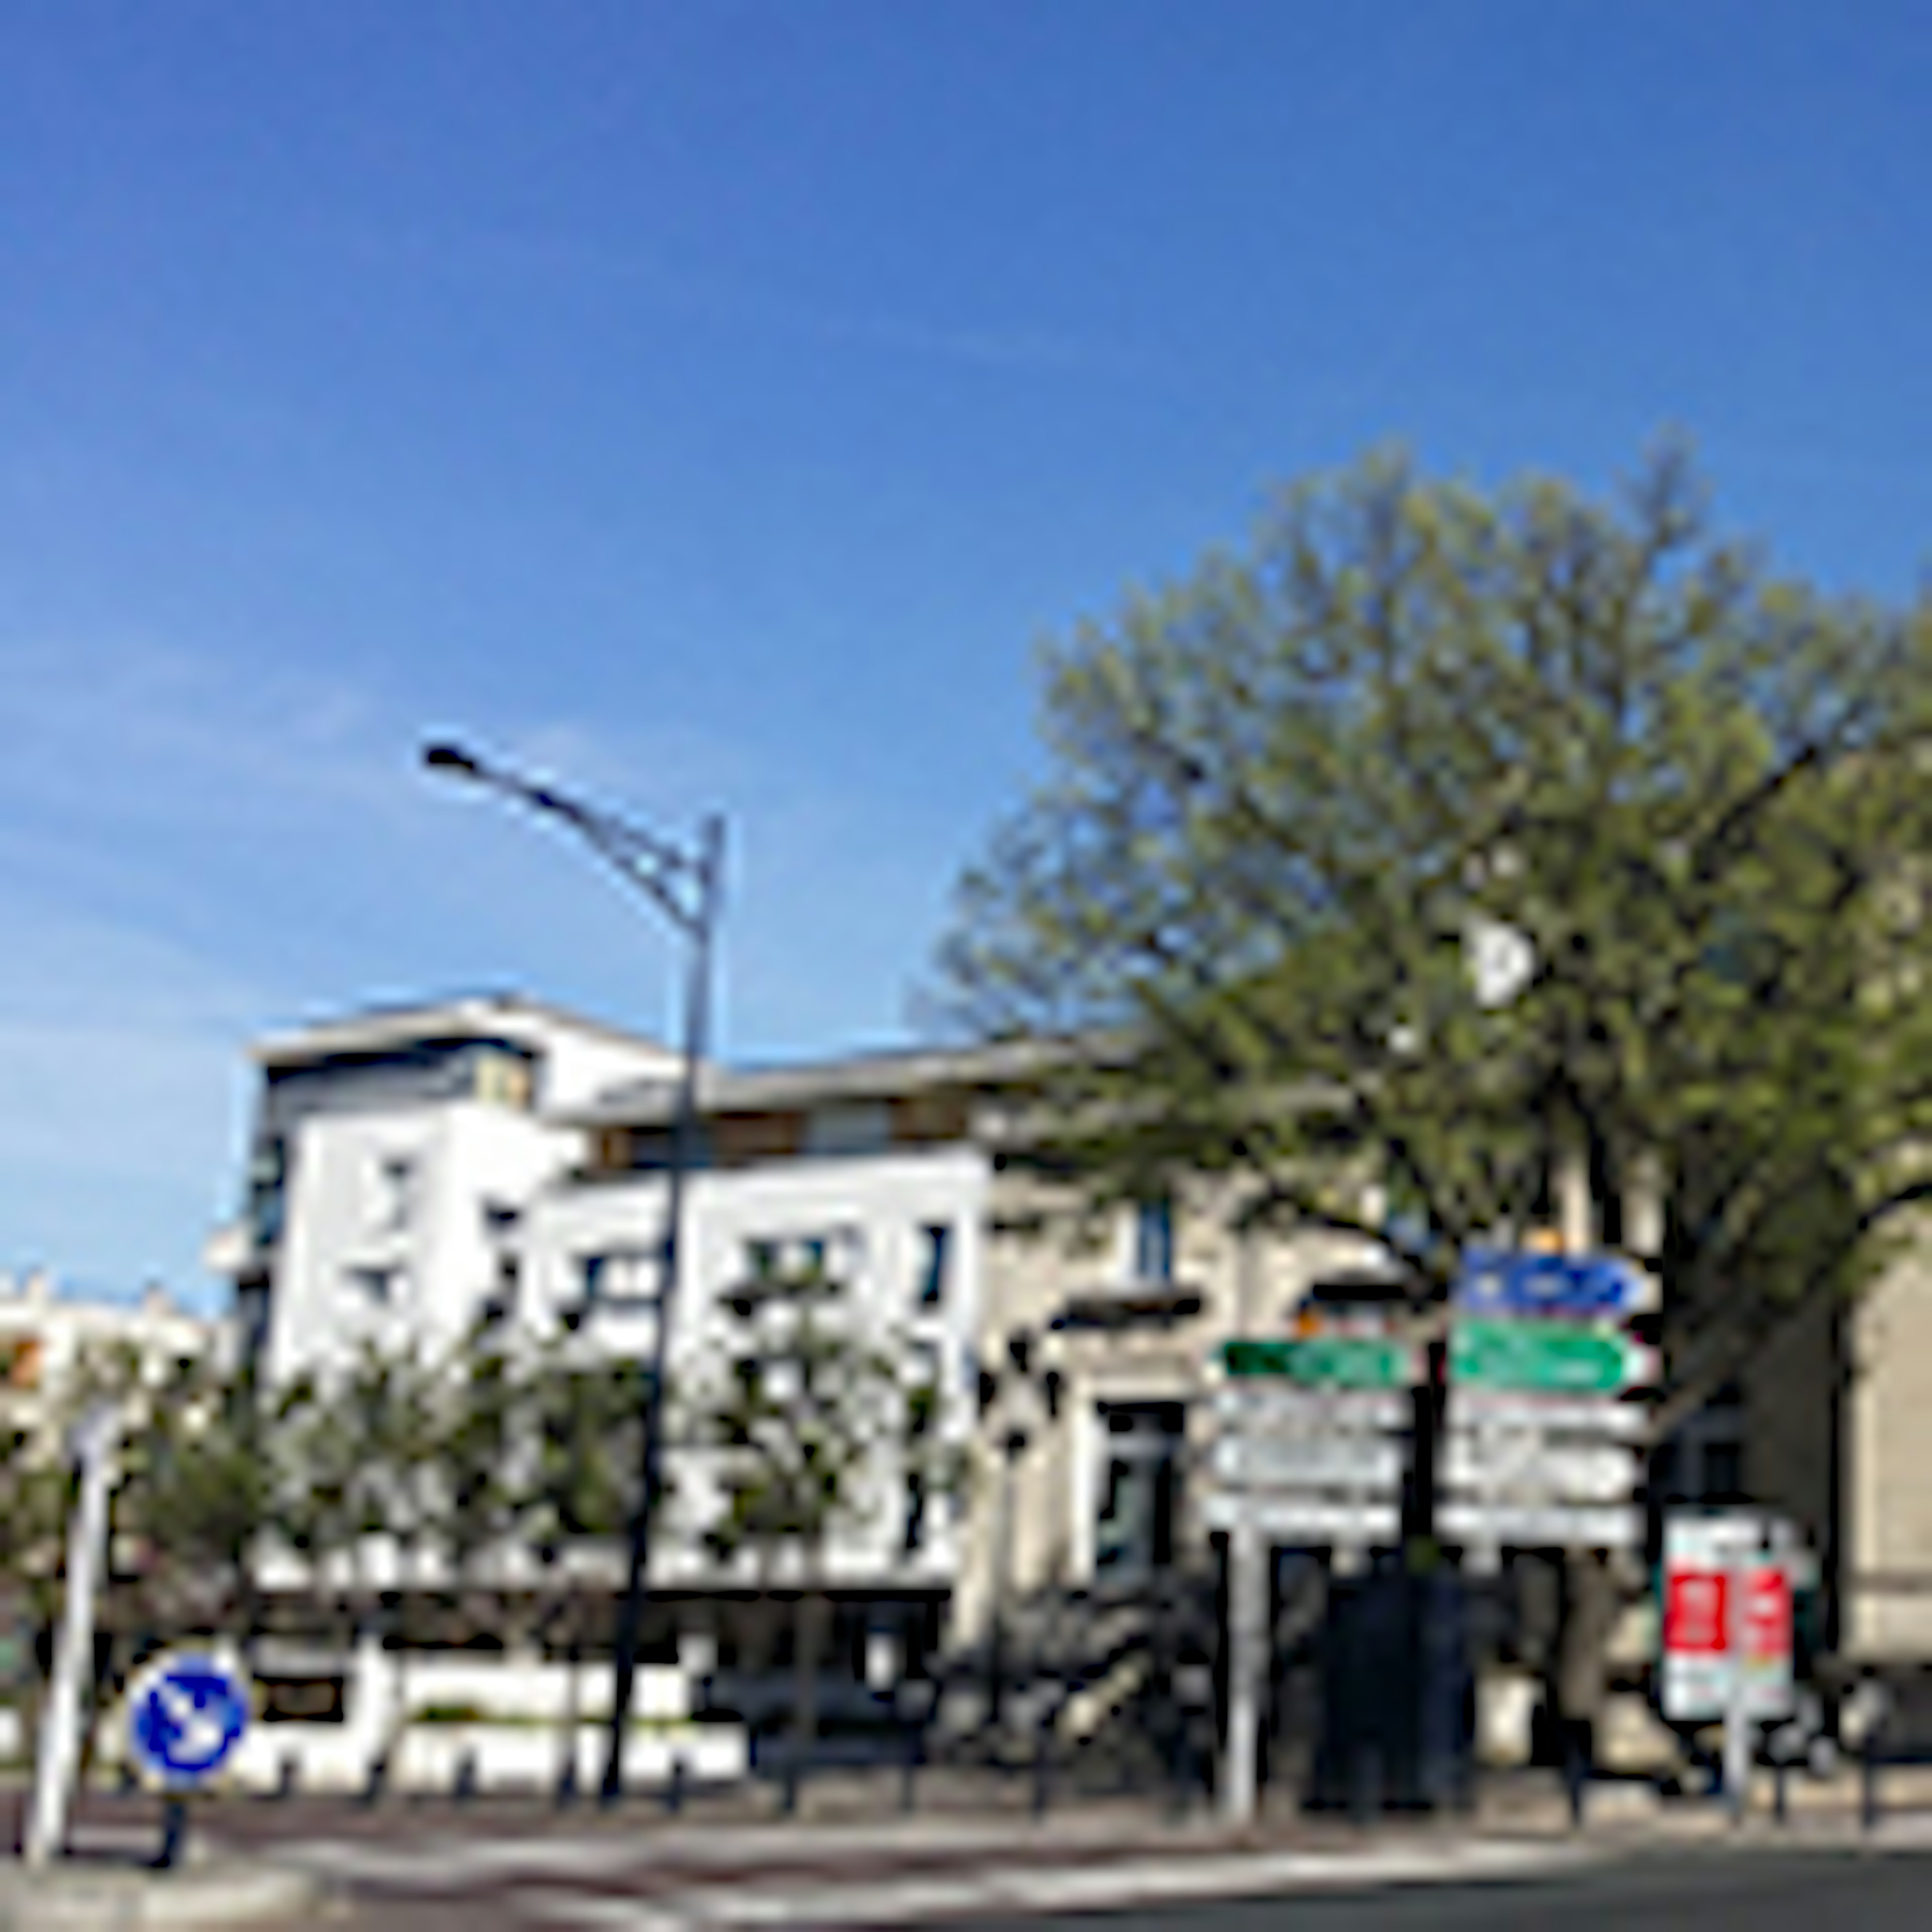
[(1440, 829)]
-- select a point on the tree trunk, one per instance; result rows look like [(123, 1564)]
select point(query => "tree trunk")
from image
[(573, 1692), (1591, 1607), (812, 1606)]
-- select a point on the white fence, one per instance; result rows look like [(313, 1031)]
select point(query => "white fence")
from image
[(439, 1723)]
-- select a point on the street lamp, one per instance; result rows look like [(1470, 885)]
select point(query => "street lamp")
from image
[(685, 883)]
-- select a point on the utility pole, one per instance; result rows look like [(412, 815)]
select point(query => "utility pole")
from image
[(686, 885)]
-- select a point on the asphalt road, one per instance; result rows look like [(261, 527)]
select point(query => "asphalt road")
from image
[(1713, 1890)]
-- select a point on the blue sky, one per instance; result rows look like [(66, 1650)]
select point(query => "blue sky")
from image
[(713, 404)]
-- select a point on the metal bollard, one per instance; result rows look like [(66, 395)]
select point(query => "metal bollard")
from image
[(788, 1801), (466, 1776), (1781, 1772), (909, 1770), (174, 1833), (1365, 1784), (1043, 1767), (674, 1787), (1868, 1781), (1575, 1775)]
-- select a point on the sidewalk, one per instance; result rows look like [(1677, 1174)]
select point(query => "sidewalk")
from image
[(852, 1858)]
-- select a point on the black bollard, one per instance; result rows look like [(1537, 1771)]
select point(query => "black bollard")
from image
[(1365, 1782), (674, 1787), (1576, 1773), (1043, 1767), (909, 1770), (174, 1833), (790, 1800), (1868, 1780), (1781, 1773)]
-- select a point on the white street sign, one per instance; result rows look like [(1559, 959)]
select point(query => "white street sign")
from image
[(1285, 1408), (1348, 1462), (1573, 1415), (1522, 1466), (1303, 1520), (1535, 1526)]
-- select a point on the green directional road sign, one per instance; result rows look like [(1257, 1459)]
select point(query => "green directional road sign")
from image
[(1557, 1358), (1325, 1361)]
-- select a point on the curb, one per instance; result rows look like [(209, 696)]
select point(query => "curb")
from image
[(906, 1899), (117, 1899)]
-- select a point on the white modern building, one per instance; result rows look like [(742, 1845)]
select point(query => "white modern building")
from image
[(394, 1154), (415, 1170)]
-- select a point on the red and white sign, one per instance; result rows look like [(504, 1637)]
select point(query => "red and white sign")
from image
[(1726, 1603), (1696, 1613)]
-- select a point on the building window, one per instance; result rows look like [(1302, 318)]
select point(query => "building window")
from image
[(848, 1128), (799, 1260), (1153, 1240), (935, 1253), (1139, 1502), (626, 1278), (505, 1079), (651, 1149), (501, 1306), (380, 1287), (924, 1379), (395, 1192)]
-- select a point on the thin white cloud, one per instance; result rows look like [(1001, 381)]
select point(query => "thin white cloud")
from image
[(543, 260), (194, 850)]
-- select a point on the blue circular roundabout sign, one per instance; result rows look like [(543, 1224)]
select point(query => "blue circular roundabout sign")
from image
[(186, 1713)]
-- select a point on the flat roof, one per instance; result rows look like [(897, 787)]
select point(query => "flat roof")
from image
[(379, 1029), (892, 1074)]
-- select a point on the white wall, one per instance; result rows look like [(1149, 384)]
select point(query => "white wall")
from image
[(878, 1204), (463, 1155), (580, 1065)]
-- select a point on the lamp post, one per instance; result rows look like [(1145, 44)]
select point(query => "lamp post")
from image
[(686, 884)]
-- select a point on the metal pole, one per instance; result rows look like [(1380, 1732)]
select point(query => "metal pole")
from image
[(696, 1017), (1003, 1569), (1737, 1721), (1247, 1612), (55, 1761)]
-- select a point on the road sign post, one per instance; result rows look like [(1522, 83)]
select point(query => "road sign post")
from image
[(1727, 1629), (58, 1756), (1247, 1619), (186, 1713)]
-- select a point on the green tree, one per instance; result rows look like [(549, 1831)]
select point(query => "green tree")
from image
[(364, 1477), (807, 1424), (586, 1410), (485, 1464), (35, 1494), (1303, 804), (203, 1479)]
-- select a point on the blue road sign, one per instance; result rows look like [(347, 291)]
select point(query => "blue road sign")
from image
[(1509, 1282), (185, 1714)]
